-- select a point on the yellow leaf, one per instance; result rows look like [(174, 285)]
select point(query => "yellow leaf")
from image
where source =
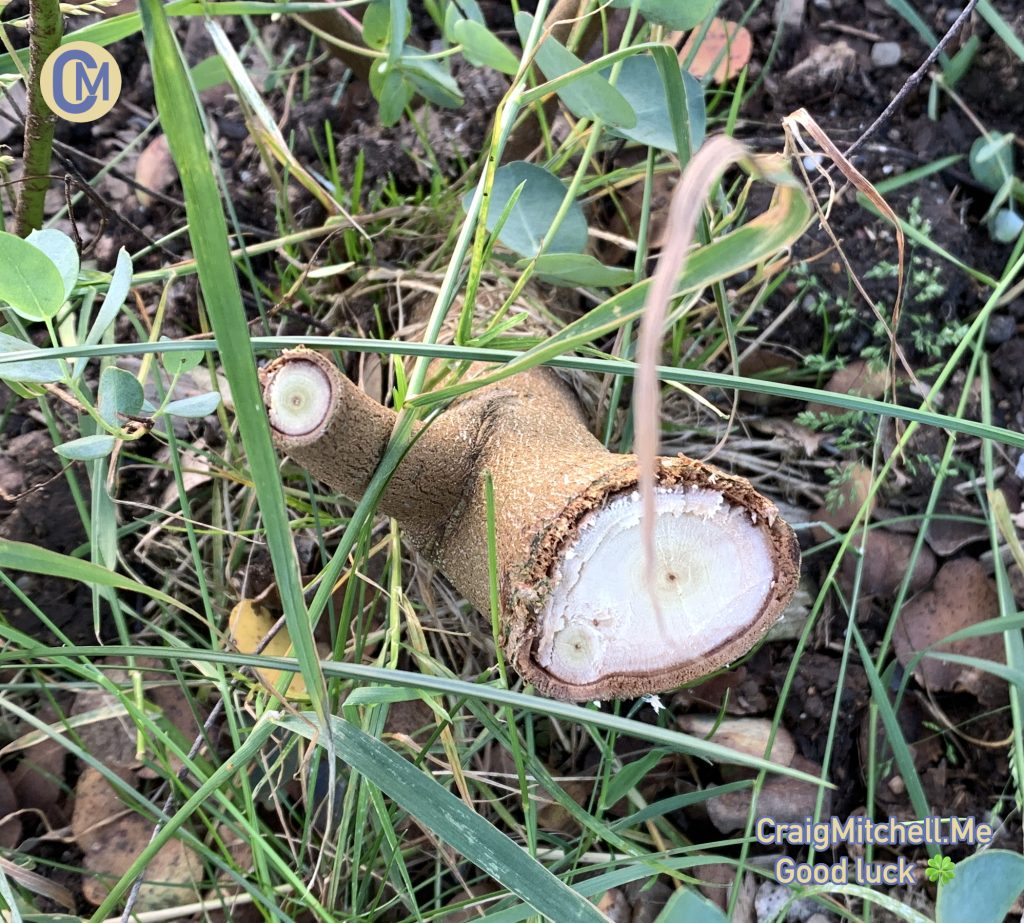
[(248, 624)]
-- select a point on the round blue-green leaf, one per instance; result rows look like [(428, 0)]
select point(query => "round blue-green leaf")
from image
[(579, 269), (991, 160), (687, 906), (62, 250), (377, 24), (1006, 226), (641, 83), (588, 95), (531, 216), (200, 405), (119, 393), (391, 90), (86, 448), (482, 48), (983, 889), (431, 79), (461, 9), (39, 371), (676, 14), (180, 360), (30, 281)]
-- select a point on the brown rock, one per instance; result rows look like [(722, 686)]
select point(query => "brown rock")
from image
[(784, 799)]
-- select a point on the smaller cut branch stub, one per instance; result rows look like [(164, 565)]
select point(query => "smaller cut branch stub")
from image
[(577, 619)]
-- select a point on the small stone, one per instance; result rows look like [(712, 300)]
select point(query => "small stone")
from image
[(886, 54), (1001, 327), (819, 918), (790, 13)]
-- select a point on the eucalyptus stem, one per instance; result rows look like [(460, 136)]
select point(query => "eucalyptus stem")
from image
[(46, 27)]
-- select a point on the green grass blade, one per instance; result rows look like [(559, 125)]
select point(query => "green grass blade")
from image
[(900, 750), (427, 683), (1001, 27), (739, 250), (32, 559), (208, 233), (625, 367), (444, 814)]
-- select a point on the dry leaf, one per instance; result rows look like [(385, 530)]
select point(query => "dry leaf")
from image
[(111, 736), (767, 364), (248, 625), (962, 596), (154, 170), (37, 778), (855, 486), (855, 377), (802, 437), (10, 823), (195, 471), (886, 559), (726, 47), (111, 838)]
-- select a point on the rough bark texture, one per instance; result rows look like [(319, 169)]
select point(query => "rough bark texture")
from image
[(548, 472)]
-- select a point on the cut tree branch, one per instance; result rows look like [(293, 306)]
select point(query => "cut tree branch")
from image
[(577, 620)]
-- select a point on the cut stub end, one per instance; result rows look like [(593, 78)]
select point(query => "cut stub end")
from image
[(299, 393), (586, 624)]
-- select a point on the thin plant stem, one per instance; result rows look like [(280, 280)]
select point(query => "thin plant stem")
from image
[(46, 27)]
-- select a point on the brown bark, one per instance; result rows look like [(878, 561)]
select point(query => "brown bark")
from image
[(548, 473), (46, 26)]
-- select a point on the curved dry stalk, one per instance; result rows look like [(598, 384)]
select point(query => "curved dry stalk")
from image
[(576, 619)]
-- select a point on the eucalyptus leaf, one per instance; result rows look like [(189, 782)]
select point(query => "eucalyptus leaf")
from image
[(86, 448), (119, 393), (461, 9), (376, 21), (531, 217), (983, 888), (991, 160), (392, 92), (431, 80), (180, 360), (200, 405), (640, 81), (579, 269), (210, 72), (39, 371), (686, 906), (30, 282), (482, 48), (588, 96), (1006, 226), (676, 14), (113, 301), (62, 250)]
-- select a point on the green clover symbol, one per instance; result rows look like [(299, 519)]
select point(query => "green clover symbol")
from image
[(941, 869)]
